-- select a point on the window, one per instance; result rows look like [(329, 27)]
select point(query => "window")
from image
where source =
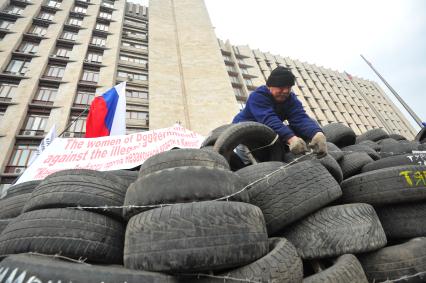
[(135, 130), (244, 71), (80, 9), (94, 57), (7, 91), (98, 41), (46, 16), (79, 126), (234, 79), (133, 59), (231, 68), (136, 94), (248, 82), (241, 61), (35, 125), (75, 21), (241, 105), (227, 58), (101, 27), (70, 35), (54, 4), (38, 30), (28, 47), (46, 94), (134, 45), (62, 52), (132, 76), (90, 76), (5, 24), (3, 109), (138, 115), (84, 97), (18, 66), (21, 155), (130, 22), (55, 71), (238, 92), (105, 15), (15, 10), (136, 34)]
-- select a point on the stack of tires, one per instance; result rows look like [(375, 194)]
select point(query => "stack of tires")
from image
[(47, 226), (353, 226), (201, 215)]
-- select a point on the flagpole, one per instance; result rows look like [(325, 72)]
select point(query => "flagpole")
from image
[(378, 115), (69, 125), (405, 105), (73, 121)]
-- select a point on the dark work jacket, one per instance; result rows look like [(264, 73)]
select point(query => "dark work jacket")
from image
[(261, 107)]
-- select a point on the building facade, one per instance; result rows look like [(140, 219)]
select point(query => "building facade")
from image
[(56, 56), (328, 96)]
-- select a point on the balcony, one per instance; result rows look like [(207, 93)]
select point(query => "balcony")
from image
[(42, 21), (5, 99), (51, 8), (88, 62), (14, 169), (248, 76), (23, 54), (9, 15), (13, 75), (73, 135), (85, 83), (36, 102), (26, 132), (251, 87), (137, 122), (83, 2), (79, 106), (22, 3), (54, 58)]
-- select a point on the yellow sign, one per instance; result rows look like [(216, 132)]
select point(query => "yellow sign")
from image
[(414, 178)]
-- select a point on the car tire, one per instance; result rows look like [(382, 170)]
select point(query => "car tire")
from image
[(69, 232), (337, 230), (195, 237)]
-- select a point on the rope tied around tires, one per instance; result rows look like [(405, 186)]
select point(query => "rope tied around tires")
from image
[(83, 261), (105, 207), (198, 275), (265, 146), (405, 277), (387, 152), (225, 278), (80, 260)]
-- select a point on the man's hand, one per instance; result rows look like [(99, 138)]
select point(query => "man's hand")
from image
[(318, 144), (297, 145)]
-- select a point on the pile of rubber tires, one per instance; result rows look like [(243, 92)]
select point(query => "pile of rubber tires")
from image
[(201, 215)]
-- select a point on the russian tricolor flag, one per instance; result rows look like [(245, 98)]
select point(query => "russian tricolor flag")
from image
[(107, 114)]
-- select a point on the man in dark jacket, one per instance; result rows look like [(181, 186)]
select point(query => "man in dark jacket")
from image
[(273, 103)]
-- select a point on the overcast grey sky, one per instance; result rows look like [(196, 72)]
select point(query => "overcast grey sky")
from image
[(391, 34)]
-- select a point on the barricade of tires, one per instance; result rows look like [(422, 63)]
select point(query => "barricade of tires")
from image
[(201, 215)]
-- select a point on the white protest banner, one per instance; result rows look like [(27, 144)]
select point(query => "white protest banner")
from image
[(51, 135), (108, 153)]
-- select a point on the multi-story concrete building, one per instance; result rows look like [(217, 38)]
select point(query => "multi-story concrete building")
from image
[(327, 95), (55, 56)]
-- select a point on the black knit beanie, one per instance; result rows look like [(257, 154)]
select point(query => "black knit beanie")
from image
[(280, 77)]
